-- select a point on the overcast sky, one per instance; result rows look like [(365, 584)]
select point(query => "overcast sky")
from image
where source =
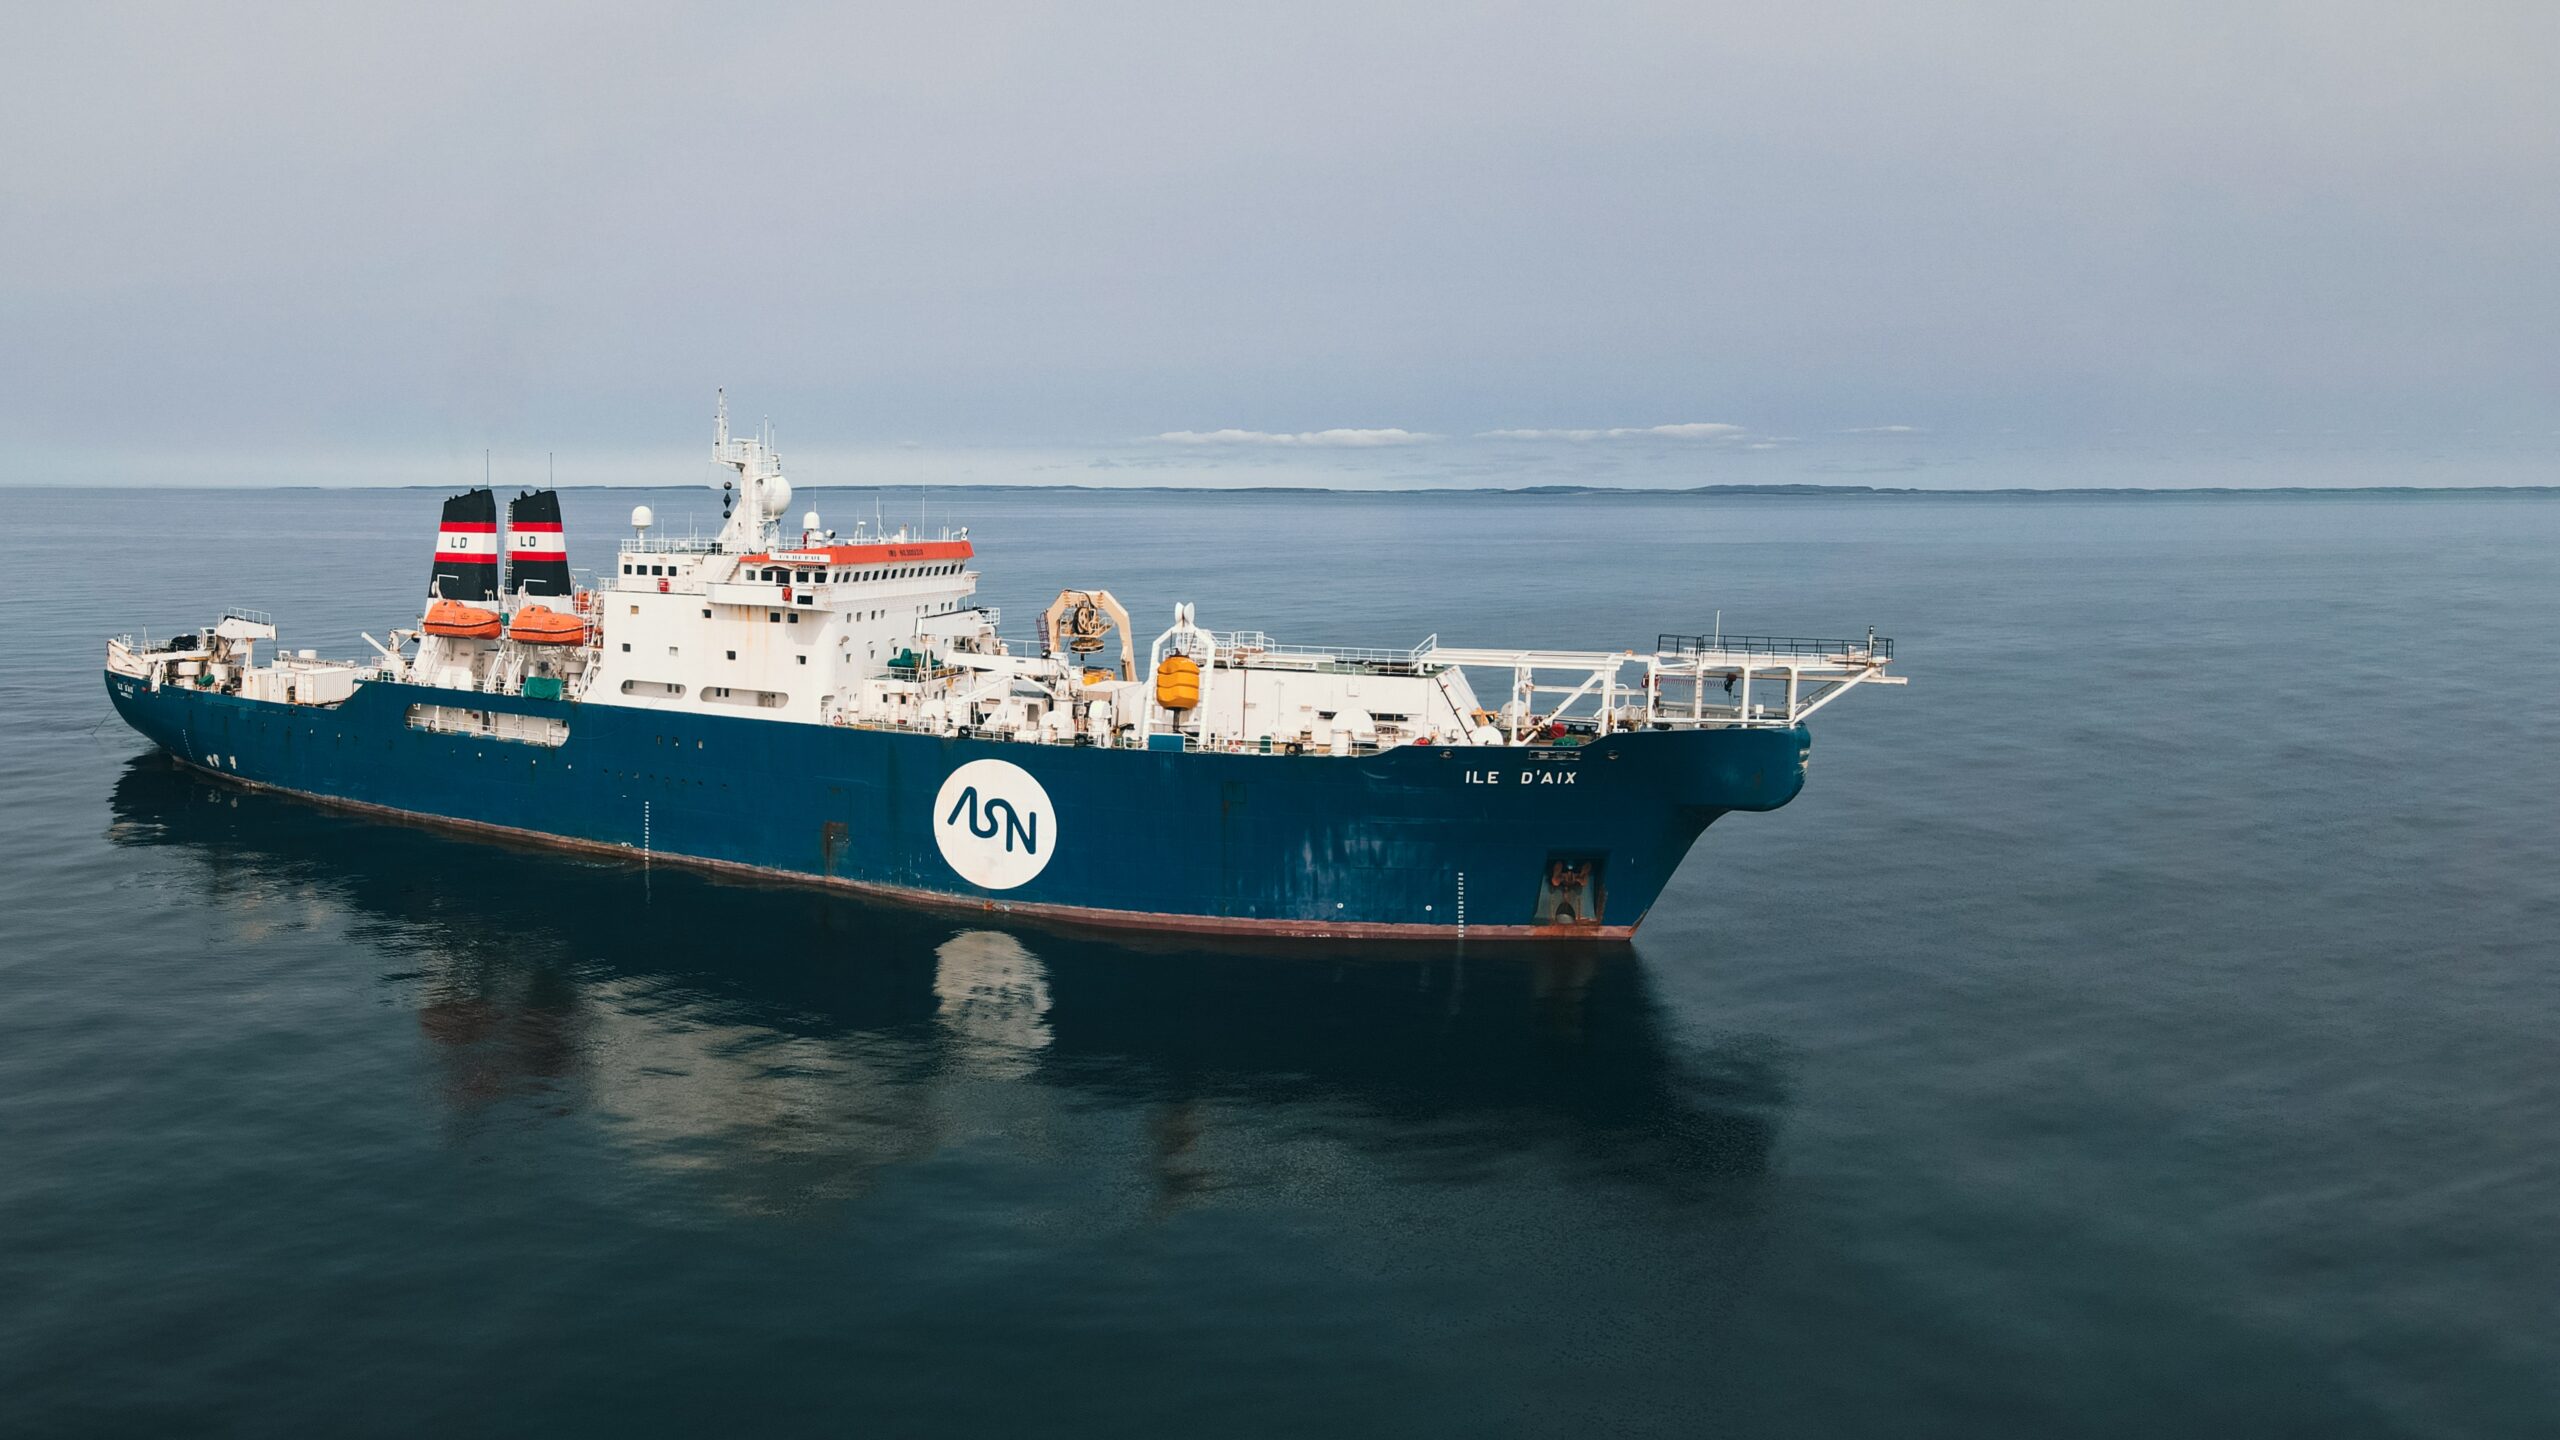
[(233, 232)]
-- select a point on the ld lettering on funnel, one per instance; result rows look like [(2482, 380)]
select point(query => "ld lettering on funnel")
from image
[(994, 824)]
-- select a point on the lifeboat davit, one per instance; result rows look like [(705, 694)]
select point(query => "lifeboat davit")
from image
[(542, 625), (457, 621)]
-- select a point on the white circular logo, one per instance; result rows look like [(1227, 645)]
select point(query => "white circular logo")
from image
[(994, 825)]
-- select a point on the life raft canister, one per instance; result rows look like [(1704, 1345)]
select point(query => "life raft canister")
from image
[(1178, 682), (542, 625), (457, 621)]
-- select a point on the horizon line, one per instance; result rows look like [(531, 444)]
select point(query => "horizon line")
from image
[(1780, 490)]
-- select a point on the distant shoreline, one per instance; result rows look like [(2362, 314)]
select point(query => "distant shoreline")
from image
[(1815, 492)]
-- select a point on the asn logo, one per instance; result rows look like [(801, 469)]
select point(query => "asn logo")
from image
[(1002, 819), (994, 825)]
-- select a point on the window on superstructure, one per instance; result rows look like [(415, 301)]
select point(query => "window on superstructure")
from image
[(773, 617), (795, 617)]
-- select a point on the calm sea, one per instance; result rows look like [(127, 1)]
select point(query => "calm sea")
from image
[(2144, 1024)]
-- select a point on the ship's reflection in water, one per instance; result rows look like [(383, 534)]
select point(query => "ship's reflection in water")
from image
[(788, 1048)]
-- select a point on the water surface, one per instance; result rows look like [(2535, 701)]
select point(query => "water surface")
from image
[(2142, 1024)]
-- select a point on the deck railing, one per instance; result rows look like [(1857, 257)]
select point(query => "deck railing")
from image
[(1788, 645), (1255, 643)]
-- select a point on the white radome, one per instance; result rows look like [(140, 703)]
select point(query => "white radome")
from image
[(777, 496), (809, 522), (642, 517)]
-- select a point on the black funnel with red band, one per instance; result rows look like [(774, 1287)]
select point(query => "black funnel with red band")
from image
[(537, 548), (467, 549)]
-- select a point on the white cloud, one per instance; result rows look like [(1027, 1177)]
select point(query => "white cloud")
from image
[(1343, 439), (1883, 430), (1693, 430)]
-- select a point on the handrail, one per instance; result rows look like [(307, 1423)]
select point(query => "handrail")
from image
[(1873, 645), (1256, 642)]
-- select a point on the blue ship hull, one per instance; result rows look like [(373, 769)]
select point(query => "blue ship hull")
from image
[(1414, 841)]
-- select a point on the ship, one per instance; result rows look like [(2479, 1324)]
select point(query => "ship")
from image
[(836, 708)]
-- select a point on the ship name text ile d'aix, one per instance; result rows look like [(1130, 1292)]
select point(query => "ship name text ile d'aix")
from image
[(836, 709)]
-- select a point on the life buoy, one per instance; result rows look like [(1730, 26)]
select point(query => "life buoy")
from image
[(662, 587)]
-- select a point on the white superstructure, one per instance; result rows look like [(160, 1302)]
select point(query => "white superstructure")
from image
[(878, 628)]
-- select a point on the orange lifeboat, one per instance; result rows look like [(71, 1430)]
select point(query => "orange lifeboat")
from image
[(1178, 682), (541, 625), (457, 621)]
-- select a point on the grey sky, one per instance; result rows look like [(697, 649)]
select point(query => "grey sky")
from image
[(349, 229)]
